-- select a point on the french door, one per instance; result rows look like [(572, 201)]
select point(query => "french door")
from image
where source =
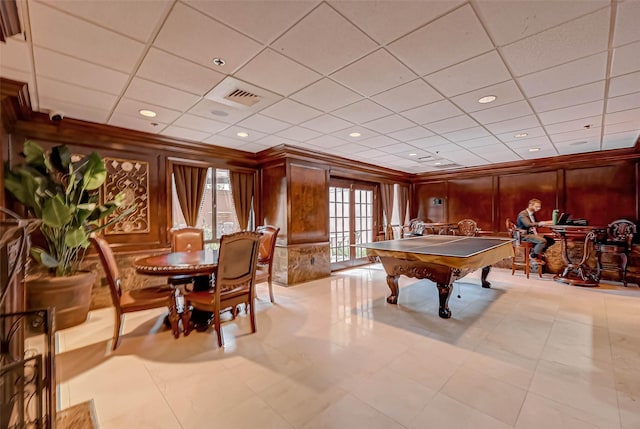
[(352, 209)]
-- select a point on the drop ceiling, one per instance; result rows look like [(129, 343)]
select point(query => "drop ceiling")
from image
[(389, 83)]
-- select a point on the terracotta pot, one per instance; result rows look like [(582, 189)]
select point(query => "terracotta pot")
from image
[(71, 296)]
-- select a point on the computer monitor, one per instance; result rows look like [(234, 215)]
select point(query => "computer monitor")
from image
[(562, 220)]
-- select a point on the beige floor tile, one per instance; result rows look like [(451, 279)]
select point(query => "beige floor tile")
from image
[(350, 412)]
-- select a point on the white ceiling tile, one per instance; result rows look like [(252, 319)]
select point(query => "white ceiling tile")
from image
[(490, 149), (402, 149), (16, 55), (429, 142), (326, 95), (569, 97), (542, 153), (75, 110), (362, 111), (326, 124), (365, 133), (200, 124), (350, 149), (129, 107), (570, 113), (479, 72), (185, 29), (508, 21), (479, 142), (291, 111), (134, 19), (253, 147), (371, 153), (262, 20), (412, 133), (513, 125), (622, 127), (576, 39), (578, 147), (466, 134), (375, 73), (627, 18), (378, 142), (309, 42), (223, 141), (444, 148), (502, 113), (389, 124), (407, 96), (626, 59), (264, 124), (582, 134), (529, 142), (274, 140), (232, 132), (432, 112), (298, 134), (530, 133), (49, 88), (220, 112), (620, 140), (453, 38), (185, 133), (67, 69), (625, 102), (326, 142), (505, 93), (133, 123), (452, 124), (626, 84), (575, 73), (277, 72), (577, 124), (59, 31), (144, 90), (162, 67), (385, 21)]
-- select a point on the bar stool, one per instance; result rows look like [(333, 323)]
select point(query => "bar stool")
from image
[(520, 246)]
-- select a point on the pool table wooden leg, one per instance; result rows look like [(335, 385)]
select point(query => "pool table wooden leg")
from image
[(392, 282), (483, 276), (444, 292)]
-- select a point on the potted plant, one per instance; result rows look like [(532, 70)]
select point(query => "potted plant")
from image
[(64, 194)]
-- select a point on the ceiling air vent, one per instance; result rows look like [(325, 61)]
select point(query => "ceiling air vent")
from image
[(447, 165), (245, 98), (241, 95)]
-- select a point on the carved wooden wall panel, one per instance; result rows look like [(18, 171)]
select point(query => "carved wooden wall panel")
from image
[(602, 194), (515, 191), (273, 207), (471, 199), (132, 178), (309, 204)]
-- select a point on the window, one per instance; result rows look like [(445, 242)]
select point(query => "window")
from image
[(217, 215)]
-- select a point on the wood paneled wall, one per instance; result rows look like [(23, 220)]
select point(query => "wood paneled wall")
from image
[(600, 193)]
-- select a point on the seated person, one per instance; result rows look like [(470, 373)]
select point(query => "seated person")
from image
[(527, 221)]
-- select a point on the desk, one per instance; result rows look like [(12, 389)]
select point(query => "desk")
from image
[(201, 263), (577, 273), (439, 258)]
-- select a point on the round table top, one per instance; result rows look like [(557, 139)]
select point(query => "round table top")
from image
[(203, 262)]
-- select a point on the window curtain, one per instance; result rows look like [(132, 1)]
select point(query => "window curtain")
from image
[(190, 183), (386, 191), (242, 191), (403, 202)]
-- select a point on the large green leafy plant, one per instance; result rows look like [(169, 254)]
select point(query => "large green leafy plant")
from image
[(64, 194)]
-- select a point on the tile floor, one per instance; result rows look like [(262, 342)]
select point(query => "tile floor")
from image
[(526, 354)]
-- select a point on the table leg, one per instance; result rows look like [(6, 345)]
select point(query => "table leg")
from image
[(444, 292), (483, 276), (174, 317), (392, 282)]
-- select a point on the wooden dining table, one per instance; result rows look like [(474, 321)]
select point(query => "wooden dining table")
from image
[(192, 264)]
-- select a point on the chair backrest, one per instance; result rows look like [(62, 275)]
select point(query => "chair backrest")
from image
[(621, 230), (110, 267), (187, 239), (467, 227), (268, 236), (237, 259), (513, 231)]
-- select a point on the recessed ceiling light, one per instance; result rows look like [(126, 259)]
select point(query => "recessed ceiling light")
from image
[(242, 134), (147, 113), (413, 154), (355, 135), (518, 136), (534, 149), (487, 99), (218, 61), (437, 163)]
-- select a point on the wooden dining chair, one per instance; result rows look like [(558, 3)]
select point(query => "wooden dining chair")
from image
[(187, 239), (264, 272), (521, 250), (234, 282), (132, 300), (467, 227), (616, 246)]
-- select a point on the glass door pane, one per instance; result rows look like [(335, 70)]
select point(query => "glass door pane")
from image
[(339, 224)]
